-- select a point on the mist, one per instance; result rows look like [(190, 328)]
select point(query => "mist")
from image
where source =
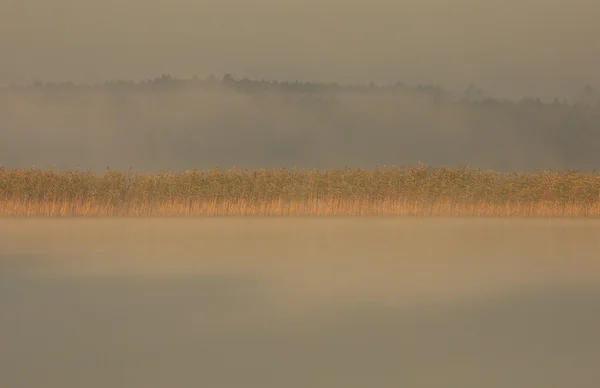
[(175, 125), (510, 50), (271, 302), (513, 48)]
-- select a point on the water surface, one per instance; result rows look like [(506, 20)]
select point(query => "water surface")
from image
[(300, 302)]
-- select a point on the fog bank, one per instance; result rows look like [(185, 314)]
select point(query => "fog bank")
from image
[(166, 126)]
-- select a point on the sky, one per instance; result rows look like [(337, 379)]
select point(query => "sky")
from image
[(511, 47)]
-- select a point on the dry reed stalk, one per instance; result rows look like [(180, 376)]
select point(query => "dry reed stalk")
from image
[(278, 208), (421, 191)]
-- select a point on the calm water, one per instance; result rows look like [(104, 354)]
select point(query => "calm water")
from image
[(299, 303)]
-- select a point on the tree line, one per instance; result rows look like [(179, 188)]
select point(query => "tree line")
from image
[(589, 95)]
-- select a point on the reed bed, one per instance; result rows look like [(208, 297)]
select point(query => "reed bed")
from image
[(418, 191)]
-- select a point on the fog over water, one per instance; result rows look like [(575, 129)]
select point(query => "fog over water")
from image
[(168, 125), (511, 49), (331, 302), (336, 302)]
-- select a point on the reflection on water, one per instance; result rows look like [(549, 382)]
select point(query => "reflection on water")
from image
[(299, 302)]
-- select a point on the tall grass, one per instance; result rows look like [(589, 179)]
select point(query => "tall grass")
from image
[(419, 191)]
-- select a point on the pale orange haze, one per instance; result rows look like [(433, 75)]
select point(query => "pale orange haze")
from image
[(512, 47)]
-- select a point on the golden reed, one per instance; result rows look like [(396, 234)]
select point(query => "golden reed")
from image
[(421, 191)]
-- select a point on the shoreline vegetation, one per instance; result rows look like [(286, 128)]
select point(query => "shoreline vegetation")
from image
[(402, 191)]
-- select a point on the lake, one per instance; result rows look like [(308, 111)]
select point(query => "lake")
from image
[(299, 302)]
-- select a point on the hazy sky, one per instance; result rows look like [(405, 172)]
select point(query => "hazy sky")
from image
[(514, 46)]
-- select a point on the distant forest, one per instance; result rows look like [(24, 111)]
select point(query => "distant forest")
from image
[(176, 124), (588, 95)]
